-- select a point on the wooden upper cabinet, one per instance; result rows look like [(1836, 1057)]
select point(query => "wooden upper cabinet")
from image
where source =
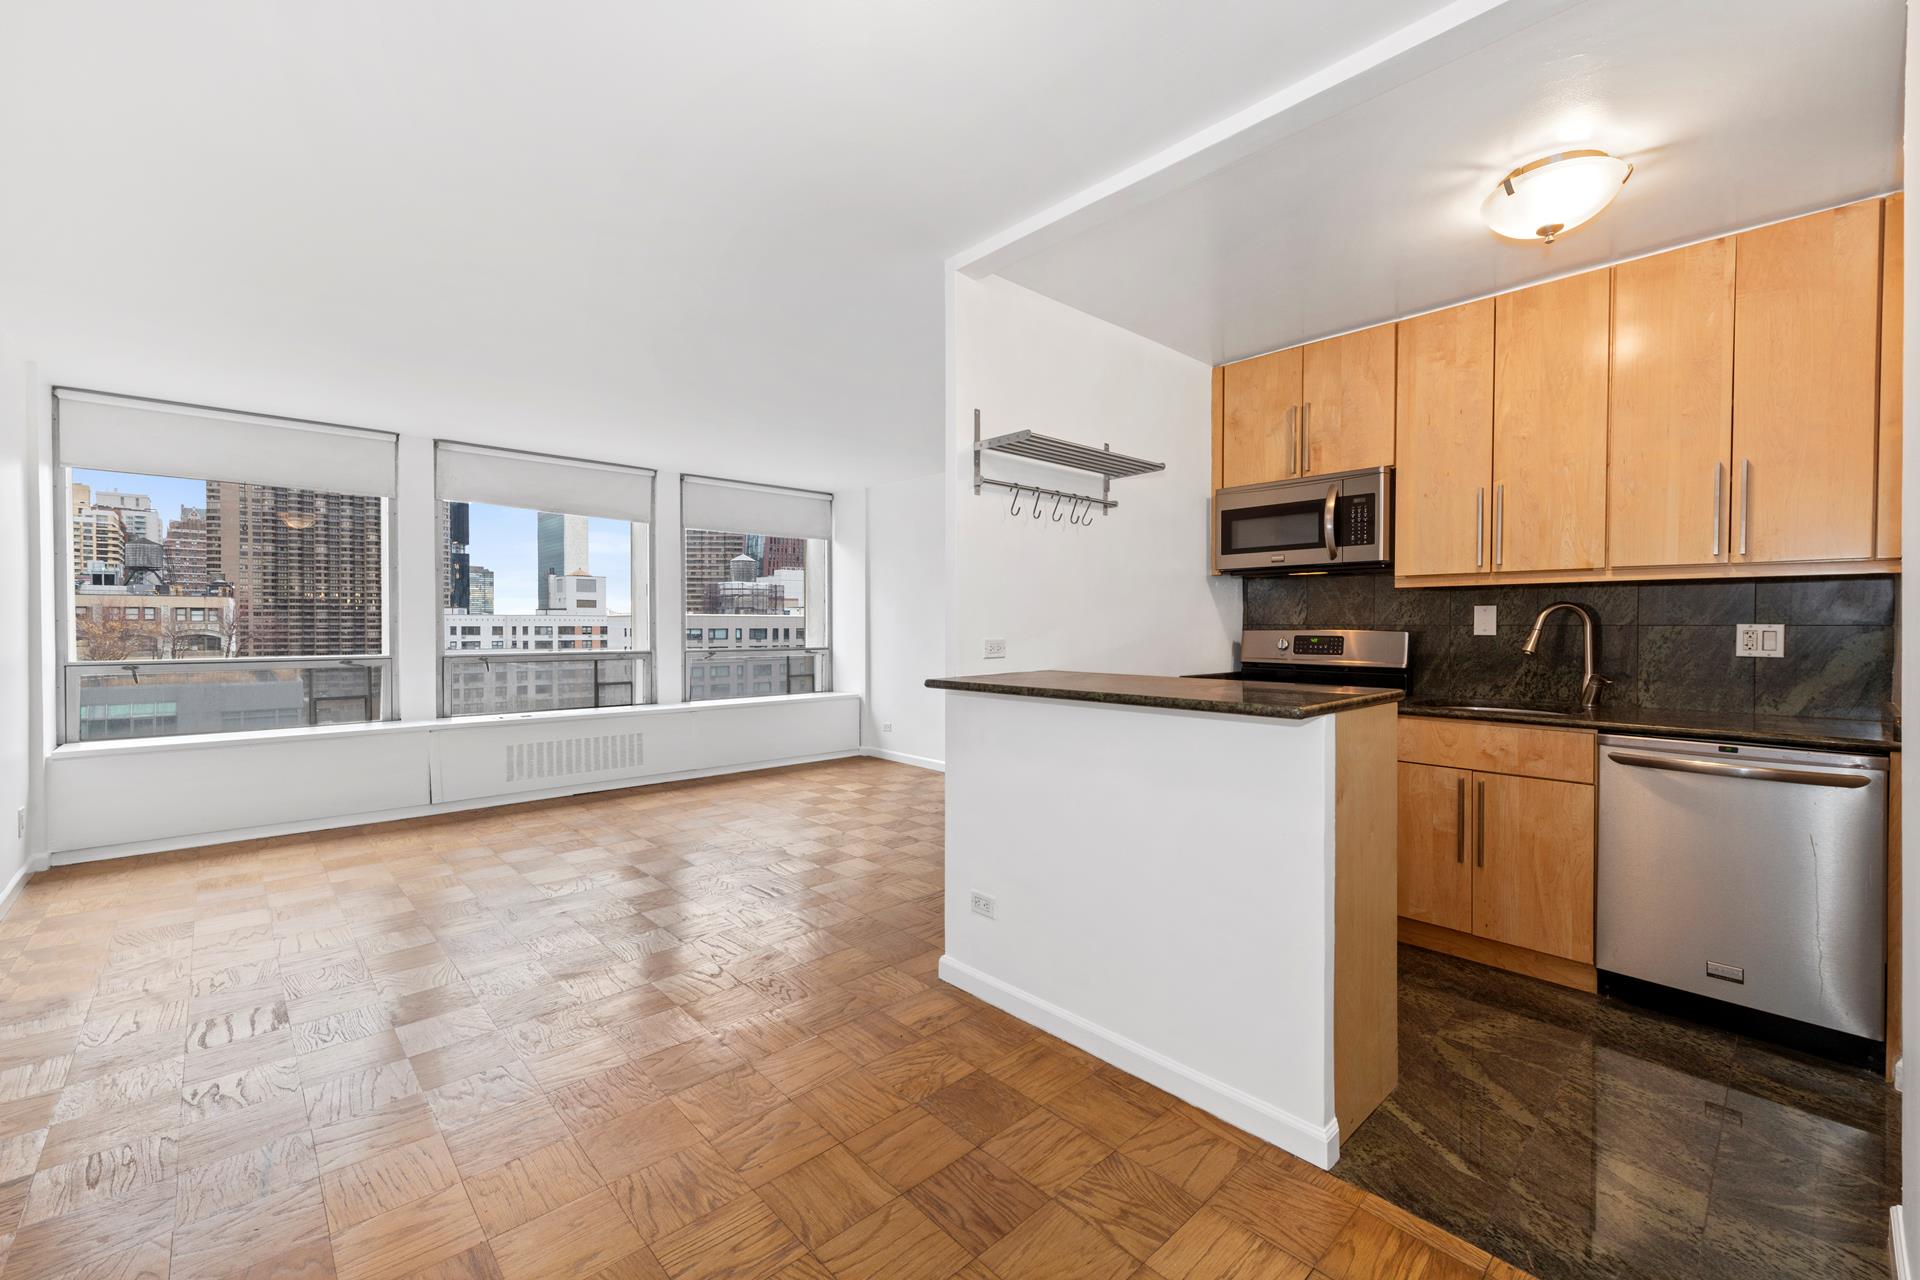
[(1806, 354), (1259, 438), (1436, 881), (1669, 490), (1886, 542), (1346, 401), (1550, 425), (1533, 843), (1443, 440)]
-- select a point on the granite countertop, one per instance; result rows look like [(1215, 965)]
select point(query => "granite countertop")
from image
[(1875, 736), (1177, 693)]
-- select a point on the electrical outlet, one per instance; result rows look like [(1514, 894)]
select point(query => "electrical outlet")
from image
[(886, 726), (996, 649), (20, 821), (983, 905), (1760, 640), (1486, 620)]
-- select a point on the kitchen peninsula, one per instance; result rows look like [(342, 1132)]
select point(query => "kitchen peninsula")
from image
[(1192, 879)]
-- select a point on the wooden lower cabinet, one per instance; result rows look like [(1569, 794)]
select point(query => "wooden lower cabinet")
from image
[(1498, 867), (1533, 864), (1436, 880)]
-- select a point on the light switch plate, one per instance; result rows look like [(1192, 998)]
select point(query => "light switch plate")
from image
[(1486, 620), (1760, 640), (996, 649)]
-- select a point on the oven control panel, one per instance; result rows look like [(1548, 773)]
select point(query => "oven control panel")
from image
[(1319, 646)]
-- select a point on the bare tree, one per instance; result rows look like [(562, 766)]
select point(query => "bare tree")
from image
[(99, 638)]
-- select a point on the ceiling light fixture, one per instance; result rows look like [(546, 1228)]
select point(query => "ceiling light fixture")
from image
[(1550, 196)]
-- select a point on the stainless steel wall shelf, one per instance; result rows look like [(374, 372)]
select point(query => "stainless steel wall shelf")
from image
[(1102, 462)]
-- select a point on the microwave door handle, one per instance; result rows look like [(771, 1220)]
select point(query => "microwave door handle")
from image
[(1326, 521)]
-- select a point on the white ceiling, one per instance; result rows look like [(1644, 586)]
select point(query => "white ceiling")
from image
[(677, 233), (1359, 201)]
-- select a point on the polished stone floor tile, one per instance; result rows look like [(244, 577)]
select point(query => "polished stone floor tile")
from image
[(1576, 1136)]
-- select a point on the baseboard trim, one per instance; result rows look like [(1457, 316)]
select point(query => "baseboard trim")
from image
[(1499, 955), (901, 757), (73, 857), (11, 894), (1317, 1144), (1901, 1268)]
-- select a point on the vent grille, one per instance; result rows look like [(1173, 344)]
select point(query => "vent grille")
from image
[(555, 759)]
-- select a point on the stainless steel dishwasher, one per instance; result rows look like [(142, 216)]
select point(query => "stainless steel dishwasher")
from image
[(1750, 875)]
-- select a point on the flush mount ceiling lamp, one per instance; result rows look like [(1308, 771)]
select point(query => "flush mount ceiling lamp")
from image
[(1550, 196)]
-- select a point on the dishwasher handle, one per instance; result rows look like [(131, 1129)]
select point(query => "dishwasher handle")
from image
[(1757, 773)]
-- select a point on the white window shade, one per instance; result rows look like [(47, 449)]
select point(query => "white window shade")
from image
[(151, 437), (753, 508), (537, 482)]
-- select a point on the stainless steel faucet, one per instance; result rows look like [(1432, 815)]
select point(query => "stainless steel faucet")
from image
[(1589, 682)]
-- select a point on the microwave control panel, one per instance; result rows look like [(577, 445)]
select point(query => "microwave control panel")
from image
[(1353, 521)]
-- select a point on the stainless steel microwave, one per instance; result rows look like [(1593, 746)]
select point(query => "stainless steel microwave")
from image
[(1314, 524)]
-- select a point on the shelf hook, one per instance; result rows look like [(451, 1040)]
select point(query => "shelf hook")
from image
[(1056, 508), (1014, 510), (1036, 505)]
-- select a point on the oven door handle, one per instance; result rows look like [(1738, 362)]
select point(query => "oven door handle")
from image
[(1326, 521)]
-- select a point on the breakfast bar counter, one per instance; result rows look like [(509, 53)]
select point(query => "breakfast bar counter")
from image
[(1192, 879)]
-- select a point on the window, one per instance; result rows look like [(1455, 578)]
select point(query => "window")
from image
[(531, 543), (276, 532), (751, 552)]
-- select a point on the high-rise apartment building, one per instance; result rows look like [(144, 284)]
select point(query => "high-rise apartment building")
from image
[(562, 545), (137, 515), (709, 555), (186, 544), (456, 564), (479, 589), (99, 538), (305, 568)]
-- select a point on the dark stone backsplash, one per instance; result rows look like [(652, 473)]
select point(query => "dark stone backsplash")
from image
[(1665, 646)]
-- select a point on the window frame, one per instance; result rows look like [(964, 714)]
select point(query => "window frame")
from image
[(66, 623), (640, 552), (822, 655)]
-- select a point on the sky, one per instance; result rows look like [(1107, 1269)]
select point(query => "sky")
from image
[(503, 538)]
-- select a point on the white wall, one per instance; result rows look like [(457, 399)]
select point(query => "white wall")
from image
[(232, 789), (906, 610), (1131, 592), (15, 593), (1067, 816)]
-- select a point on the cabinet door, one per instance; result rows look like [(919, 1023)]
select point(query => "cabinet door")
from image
[(1533, 864), (1260, 438), (1443, 440), (1550, 425), (1893, 257), (1436, 883), (1346, 401), (1668, 489), (1806, 354)]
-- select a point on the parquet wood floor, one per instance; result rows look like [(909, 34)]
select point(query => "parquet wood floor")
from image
[(688, 1031)]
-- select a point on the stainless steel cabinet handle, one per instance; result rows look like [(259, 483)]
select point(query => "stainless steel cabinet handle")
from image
[(1499, 523), (1326, 521), (1306, 439), (1719, 490), (1480, 824), (1479, 528), (1293, 440), (1460, 821), (1757, 773), (1746, 498)]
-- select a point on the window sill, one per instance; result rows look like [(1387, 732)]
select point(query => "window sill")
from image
[(264, 737)]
